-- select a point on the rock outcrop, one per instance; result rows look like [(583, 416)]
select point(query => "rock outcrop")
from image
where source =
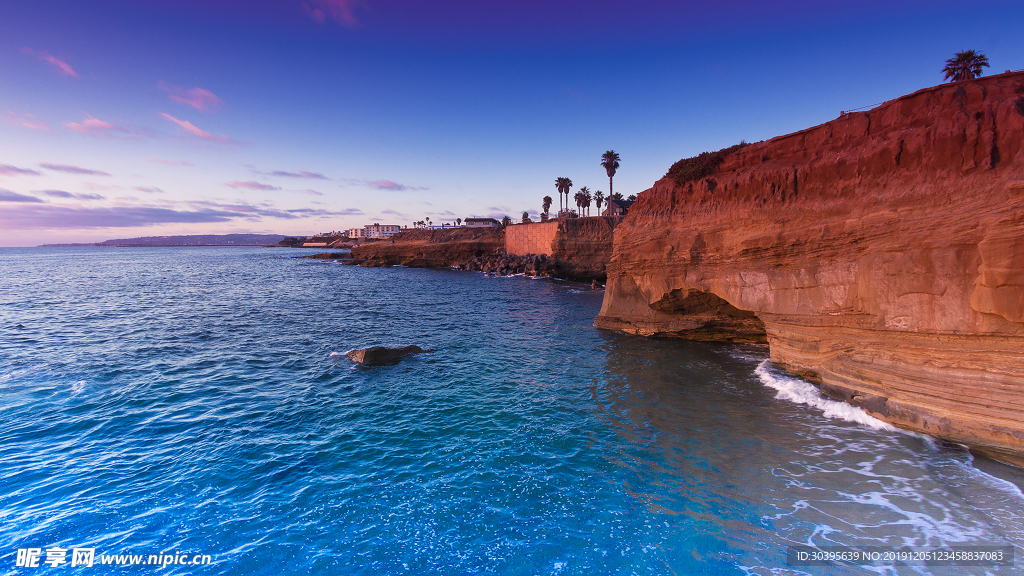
[(880, 254), (430, 248), (382, 355)]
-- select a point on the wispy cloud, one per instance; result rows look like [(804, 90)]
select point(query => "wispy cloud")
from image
[(299, 174), (149, 189), (251, 185), (25, 120), (170, 162), (96, 126), (191, 128), (72, 169), (199, 98), (381, 184), (61, 66), (8, 170), (341, 11), (65, 194), (9, 196), (28, 212), (313, 192)]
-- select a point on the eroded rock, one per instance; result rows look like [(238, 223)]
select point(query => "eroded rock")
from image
[(382, 355)]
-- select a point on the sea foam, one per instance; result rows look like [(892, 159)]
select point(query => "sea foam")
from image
[(803, 392)]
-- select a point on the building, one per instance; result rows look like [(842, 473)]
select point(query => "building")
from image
[(617, 207), (482, 223), (374, 231)]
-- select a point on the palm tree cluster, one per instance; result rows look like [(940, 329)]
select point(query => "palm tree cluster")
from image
[(583, 197), (965, 65)]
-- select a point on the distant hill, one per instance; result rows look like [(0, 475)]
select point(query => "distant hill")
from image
[(195, 240)]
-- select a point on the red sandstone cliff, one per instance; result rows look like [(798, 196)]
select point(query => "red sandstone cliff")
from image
[(881, 254)]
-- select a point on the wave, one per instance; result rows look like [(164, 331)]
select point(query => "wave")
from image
[(802, 392)]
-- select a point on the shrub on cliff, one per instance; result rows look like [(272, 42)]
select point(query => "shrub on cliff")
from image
[(705, 163)]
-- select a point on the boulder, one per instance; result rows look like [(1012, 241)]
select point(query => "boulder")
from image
[(382, 355)]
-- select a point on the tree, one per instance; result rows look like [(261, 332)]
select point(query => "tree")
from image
[(615, 196), (586, 201), (458, 221), (506, 221), (965, 65), (547, 203), (598, 199), (580, 198), (563, 185), (526, 217), (631, 198), (610, 161)]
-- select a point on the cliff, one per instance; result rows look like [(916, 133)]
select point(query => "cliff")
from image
[(430, 248), (584, 246), (880, 254)]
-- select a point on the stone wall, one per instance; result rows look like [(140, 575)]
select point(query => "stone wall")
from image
[(537, 238)]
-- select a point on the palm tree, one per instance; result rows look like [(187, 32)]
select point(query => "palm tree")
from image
[(586, 200), (547, 204), (458, 221), (598, 199), (581, 198), (610, 161), (965, 65), (563, 185)]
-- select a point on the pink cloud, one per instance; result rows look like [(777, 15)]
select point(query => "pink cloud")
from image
[(25, 120), (199, 98), (8, 170), (338, 10), (149, 189), (251, 185), (170, 162), (96, 126), (198, 133), (61, 66), (72, 169)]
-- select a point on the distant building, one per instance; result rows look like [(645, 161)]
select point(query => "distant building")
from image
[(482, 223), (374, 231), (618, 207)]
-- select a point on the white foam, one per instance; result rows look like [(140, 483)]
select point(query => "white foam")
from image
[(803, 392), (77, 387), (336, 354)]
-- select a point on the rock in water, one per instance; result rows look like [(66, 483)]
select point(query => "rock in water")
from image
[(382, 355)]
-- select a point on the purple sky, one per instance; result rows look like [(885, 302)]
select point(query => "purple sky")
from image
[(127, 118)]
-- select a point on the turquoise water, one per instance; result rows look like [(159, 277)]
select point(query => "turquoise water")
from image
[(194, 401)]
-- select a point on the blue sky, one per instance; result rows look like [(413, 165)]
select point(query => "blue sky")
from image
[(148, 117)]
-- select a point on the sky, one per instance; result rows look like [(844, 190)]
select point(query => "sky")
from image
[(125, 118)]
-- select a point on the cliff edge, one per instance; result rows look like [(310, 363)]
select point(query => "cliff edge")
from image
[(880, 254)]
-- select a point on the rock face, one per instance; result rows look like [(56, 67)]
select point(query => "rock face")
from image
[(381, 355), (430, 248), (880, 254)]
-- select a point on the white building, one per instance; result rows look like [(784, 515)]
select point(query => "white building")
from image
[(374, 231)]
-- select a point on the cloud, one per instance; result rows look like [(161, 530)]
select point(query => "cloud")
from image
[(299, 174), (149, 189), (199, 98), (338, 10), (25, 120), (72, 169), (31, 213), (170, 162), (9, 196), (390, 211), (251, 185), (8, 170), (381, 184), (96, 126), (193, 130), (60, 65), (64, 194), (313, 192)]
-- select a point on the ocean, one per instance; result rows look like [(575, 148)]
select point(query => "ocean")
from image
[(180, 405)]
